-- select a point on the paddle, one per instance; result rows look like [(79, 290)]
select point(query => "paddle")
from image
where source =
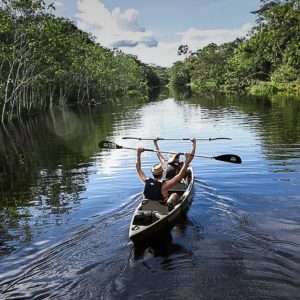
[(231, 158), (174, 139)]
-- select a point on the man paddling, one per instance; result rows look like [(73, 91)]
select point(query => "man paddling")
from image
[(155, 188), (173, 164)]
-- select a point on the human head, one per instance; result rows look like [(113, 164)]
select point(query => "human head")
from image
[(173, 157), (157, 170)]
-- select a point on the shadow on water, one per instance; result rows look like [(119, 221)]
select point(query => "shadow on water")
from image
[(74, 268), (45, 164), (162, 244), (43, 171), (189, 261)]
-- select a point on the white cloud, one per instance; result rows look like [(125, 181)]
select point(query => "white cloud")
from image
[(197, 38), (122, 30), (127, 21), (113, 29), (165, 54), (59, 7)]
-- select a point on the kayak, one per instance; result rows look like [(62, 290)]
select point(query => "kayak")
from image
[(150, 217)]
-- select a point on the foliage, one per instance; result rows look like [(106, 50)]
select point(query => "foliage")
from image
[(46, 61), (264, 89), (179, 76), (271, 88), (207, 65), (266, 62)]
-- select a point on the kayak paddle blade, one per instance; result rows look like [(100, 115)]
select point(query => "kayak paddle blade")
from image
[(231, 158), (108, 145)]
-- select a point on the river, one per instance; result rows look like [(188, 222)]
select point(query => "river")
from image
[(66, 205)]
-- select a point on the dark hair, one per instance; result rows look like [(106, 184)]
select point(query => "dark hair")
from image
[(157, 176)]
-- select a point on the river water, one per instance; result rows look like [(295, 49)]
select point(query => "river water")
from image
[(66, 205)]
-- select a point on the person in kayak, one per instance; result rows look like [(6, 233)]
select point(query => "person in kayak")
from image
[(155, 188), (173, 165)]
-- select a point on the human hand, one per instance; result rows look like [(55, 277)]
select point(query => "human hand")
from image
[(193, 140), (140, 150)]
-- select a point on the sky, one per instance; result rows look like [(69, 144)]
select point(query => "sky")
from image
[(154, 29)]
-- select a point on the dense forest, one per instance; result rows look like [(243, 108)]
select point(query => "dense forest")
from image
[(265, 62), (47, 61)]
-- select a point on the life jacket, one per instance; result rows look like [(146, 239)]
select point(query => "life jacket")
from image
[(173, 169), (152, 189)]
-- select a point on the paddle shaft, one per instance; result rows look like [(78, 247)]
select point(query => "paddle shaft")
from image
[(167, 152), (173, 139), (231, 158)]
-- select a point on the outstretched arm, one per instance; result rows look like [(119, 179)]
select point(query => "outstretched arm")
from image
[(180, 175), (159, 155), (138, 164), (193, 140)]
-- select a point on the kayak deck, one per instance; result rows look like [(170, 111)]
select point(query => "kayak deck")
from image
[(150, 205)]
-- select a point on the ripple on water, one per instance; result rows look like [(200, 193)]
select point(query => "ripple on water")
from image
[(239, 239)]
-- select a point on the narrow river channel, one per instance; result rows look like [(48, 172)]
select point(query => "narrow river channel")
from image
[(66, 205)]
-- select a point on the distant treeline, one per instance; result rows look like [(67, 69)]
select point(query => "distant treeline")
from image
[(46, 61), (266, 62)]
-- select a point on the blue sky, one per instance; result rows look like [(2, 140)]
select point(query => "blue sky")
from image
[(153, 30)]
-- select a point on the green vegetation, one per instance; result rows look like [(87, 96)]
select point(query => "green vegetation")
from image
[(47, 61), (267, 62)]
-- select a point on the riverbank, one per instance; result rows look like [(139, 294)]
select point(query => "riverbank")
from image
[(47, 61)]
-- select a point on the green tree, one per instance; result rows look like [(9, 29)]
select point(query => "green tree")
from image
[(179, 76), (267, 60), (207, 65), (271, 55), (46, 61)]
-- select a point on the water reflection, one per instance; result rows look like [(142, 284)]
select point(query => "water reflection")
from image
[(45, 164), (277, 120), (163, 245), (242, 226)]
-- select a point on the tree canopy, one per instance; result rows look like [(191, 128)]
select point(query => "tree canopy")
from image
[(45, 61), (266, 61)]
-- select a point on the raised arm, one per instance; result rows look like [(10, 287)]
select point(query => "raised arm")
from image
[(180, 175), (193, 140), (159, 155), (138, 164)]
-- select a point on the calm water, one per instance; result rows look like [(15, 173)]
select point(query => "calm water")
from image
[(65, 205)]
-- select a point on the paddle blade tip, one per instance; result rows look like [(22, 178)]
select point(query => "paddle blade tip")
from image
[(231, 158), (235, 159), (108, 145), (102, 144), (238, 160)]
